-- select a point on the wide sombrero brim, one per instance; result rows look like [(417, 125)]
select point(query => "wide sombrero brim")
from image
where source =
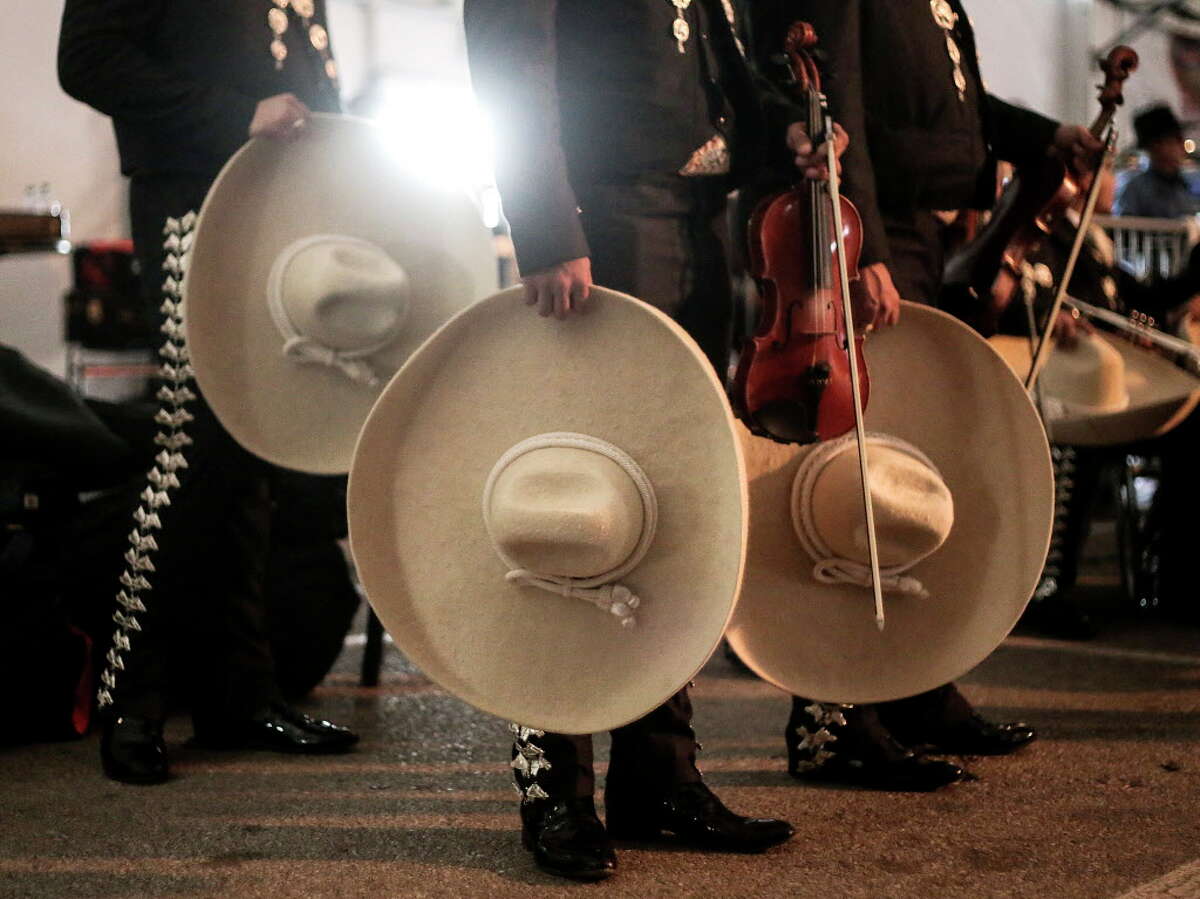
[(937, 385), (493, 376), (339, 178), (1161, 395)]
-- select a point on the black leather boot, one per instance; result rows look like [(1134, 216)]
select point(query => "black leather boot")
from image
[(132, 750), (567, 838), (558, 826), (847, 744), (693, 814), (944, 721)]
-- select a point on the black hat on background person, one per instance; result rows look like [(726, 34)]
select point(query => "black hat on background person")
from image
[(1153, 123)]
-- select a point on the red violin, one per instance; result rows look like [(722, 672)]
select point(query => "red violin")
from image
[(793, 382)]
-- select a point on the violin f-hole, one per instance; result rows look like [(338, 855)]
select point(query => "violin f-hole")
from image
[(787, 420)]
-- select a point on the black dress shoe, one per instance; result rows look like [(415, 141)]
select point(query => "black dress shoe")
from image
[(695, 816), (944, 721), (978, 736), (849, 745), (132, 750), (567, 838), (277, 728)]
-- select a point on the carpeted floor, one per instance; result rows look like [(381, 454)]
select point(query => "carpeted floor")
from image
[(1106, 802)]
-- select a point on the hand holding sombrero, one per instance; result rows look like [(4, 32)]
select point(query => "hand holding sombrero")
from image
[(318, 266)]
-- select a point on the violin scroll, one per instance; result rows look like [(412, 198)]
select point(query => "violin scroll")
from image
[(801, 38), (1120, 63)]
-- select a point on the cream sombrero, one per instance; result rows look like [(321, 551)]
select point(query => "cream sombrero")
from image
[(963, 491), (318, 266), (549, 516), (1104, 391)]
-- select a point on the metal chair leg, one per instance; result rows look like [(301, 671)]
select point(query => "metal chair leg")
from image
[(372, 660)]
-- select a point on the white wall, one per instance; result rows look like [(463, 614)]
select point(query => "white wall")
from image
[(1033, 51), (1041, 53), (46, 136)]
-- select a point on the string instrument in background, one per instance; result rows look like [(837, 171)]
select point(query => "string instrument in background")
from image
[(802, 376), (981, 278), (1139, 329)]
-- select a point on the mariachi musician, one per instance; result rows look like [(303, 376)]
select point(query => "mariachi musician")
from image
[(904, 81), (621, 127), (1170, 303), (187, 83)]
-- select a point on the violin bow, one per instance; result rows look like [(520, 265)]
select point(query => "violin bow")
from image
[(1045, 342), (860, 432)]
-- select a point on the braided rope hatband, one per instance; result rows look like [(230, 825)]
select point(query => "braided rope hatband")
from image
[(600, 590), (827, 567), (351, 363), (174, 395)]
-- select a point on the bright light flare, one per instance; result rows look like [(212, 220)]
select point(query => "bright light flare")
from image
[(439, 132)]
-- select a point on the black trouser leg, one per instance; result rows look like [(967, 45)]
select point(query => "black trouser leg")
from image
[(915, 242), (658, 239), (571, 774), (1175, 507), (206, 609), (656, 752), (662, 240)]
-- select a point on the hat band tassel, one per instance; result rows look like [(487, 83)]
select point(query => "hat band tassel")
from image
[(303, 349), (844, 571), (616, 599)]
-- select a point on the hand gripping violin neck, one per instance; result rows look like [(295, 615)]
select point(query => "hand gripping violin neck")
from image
[(793, 377), (802, 376)]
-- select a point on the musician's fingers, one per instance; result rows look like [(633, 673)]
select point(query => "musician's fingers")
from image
[(798, 140), (531, 292), (562, 300), (1089, 142), (300, 115), (579, 296), (545, 300)]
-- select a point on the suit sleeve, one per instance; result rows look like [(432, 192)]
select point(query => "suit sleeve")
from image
[(839, 28), (102, 62), (512, 50), (1019, 135)]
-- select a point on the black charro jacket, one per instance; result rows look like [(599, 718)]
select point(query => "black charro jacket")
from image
[(584, 92), (181, 78), (889, 80)]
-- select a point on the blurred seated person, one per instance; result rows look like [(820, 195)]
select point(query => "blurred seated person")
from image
[(1161, 191), (1099, 279)]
